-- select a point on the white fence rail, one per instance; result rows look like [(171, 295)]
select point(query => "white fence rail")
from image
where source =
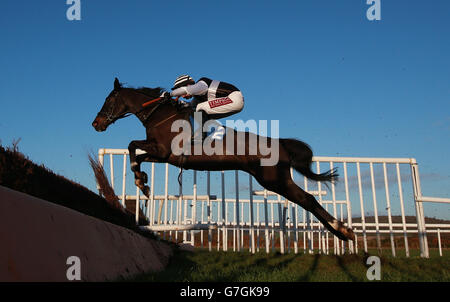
[(373, 197)]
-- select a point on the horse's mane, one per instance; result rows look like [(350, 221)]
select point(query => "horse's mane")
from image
[(152, 92), (155, 93)]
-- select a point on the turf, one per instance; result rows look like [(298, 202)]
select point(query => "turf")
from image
[(205, 266)]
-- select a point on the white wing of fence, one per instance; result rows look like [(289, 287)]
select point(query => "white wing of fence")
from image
[(371, 198)]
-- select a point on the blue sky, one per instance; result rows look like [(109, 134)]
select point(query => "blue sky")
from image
[(345, 85)]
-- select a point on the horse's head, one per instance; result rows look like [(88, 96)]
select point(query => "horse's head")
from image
[(113, 109)]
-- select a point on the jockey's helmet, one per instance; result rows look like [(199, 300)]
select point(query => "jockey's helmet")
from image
[(183, 80)]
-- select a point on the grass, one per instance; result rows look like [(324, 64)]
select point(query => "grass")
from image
[(204, 266)]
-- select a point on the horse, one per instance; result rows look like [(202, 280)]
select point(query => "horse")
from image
[(158, 118)]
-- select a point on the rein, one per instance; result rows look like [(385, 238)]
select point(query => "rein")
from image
[(151, 102), (161, 101), (165, 120), (157, 99)]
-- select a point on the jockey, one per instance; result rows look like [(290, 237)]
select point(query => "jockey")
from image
[(214, 99)]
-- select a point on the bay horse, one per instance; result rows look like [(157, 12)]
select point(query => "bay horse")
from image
[(158, 118)]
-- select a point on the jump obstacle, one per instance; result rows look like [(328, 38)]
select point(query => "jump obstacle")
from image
[(378, 189)]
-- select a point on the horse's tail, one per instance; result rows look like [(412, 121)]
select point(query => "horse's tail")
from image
[(300, 158)]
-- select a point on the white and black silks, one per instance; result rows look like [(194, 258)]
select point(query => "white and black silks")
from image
[(217, 99)]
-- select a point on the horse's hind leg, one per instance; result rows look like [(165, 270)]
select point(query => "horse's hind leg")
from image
[(287, 187), (309, 203)]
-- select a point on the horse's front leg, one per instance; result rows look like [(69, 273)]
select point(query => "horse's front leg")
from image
[(140, 178), (153, 154)]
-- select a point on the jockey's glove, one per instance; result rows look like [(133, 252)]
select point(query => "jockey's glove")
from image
[(165, 95), (184, 104)]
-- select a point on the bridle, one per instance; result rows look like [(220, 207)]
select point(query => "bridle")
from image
[(110, 117)]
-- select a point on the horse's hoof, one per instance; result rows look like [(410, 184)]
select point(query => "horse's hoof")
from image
[(341, 231), (348, 233)]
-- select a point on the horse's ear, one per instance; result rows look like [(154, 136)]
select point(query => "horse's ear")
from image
[(117, 84)]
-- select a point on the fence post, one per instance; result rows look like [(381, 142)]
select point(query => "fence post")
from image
[(237, 216), (208, 208), (101, 153), (419, 210), (439, 241), (388, 204), (402, 208), (152, 196), (349, 208), (252, 228), (138, 201), (194, 206), (266, 223)]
